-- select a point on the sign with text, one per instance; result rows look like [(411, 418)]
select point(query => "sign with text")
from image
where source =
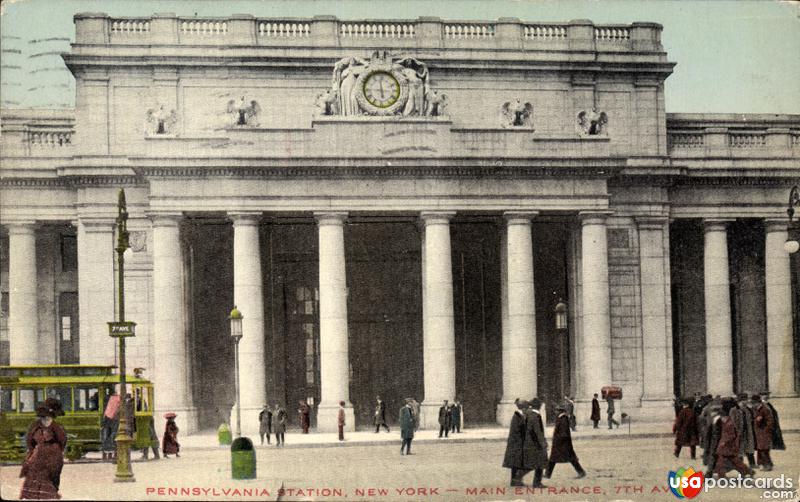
[(126, 328)]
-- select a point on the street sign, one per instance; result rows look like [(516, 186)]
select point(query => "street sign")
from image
[(118, 329)]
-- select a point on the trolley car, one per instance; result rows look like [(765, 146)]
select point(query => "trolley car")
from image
[(83, 391)]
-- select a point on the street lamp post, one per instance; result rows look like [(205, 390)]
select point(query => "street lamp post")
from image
[(122, 330), (236, 334), (792, 246), (561, 328)]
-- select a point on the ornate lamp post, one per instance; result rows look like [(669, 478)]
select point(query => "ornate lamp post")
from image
[(236, 334), (792, 246), (122, 330), (561, 328)]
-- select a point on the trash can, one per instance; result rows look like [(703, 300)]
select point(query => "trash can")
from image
[(243, 459), (224, 434)]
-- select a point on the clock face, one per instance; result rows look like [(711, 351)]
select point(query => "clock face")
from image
[(381, 89)]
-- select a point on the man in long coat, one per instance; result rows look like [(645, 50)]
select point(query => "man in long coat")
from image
[(265, 423), (685, 430), (279, 424), (305, 416), (445, 418), (595, 411), (777, 433), (516, 452), (610, 411), (728, 445), (407, 426), (535, 434), (562, 450), (569, 408), (764, 424), (380, 415), (743, 417)]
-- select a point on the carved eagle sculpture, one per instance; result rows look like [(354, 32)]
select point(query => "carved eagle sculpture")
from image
[(436, 103), (516, 114), (243, 113), (161, 122), (592, 122)]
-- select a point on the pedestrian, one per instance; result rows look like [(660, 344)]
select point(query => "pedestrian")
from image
[(595, 411), (777, 433), (279, 424), (728, 446), (46, 441), (153, 440), (610, 411), (514, 458), (535, 434), (709, 430), (265, 423), (685, 430), (445, 418), (169, 443), (407, 426), (109, 425), (340, 421), (455, 417), (742, 416), (562, 450), (677, 404), (380, 415), (305, 412), (569, 406), (764, 425)]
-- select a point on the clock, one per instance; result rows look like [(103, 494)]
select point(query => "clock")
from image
[(381, 89)]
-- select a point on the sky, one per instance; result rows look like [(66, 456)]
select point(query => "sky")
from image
[(733, 56)]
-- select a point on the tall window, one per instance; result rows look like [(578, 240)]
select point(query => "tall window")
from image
[(305, 308)]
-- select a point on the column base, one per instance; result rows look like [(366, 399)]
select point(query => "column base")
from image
[(429, 416), (505, 410), (654, 409), (328, 418), (788, 408), (186, 420)]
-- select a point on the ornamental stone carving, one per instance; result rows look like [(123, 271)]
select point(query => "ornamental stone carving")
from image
[(591, 123), (243, 113), (159, 121), (382, 85), (517, 114)]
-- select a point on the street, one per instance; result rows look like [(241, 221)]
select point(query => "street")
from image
[(618, 469)]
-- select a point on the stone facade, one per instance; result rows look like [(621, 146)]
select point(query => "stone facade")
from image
[(414, 244)]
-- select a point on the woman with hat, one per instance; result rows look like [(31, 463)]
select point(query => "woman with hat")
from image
[(46, 442), (169, 444)]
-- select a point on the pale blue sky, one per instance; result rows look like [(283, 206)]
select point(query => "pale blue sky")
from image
[(734, 56)]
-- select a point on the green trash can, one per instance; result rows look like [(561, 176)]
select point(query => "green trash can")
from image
[(224, 434), (243, 459)]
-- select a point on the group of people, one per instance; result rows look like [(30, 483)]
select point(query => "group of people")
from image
[(728, 430), (451, 417), (526, 449), (273, 420)]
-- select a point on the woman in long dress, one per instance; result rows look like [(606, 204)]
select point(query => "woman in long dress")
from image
[(170, 443), (46, 443)]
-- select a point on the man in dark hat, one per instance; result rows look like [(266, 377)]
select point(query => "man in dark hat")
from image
[(407, 426), (728, 446), (764, 425), (595, 411), (743, 419), (535, 435), (445, 419), (777, 433), (515, 456), (265, 423), (562, 450)]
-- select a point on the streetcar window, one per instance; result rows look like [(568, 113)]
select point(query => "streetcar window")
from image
[(142, 399), (86, 399), (8, 401), (63, 395), (28, 398)]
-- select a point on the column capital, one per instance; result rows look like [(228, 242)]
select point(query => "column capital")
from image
[(651, 222), (169, 219), (776, 224), (594, 217), (519, 217), (330, 217), (19, 227), (716, 224), (436, 217), (245, 217)]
